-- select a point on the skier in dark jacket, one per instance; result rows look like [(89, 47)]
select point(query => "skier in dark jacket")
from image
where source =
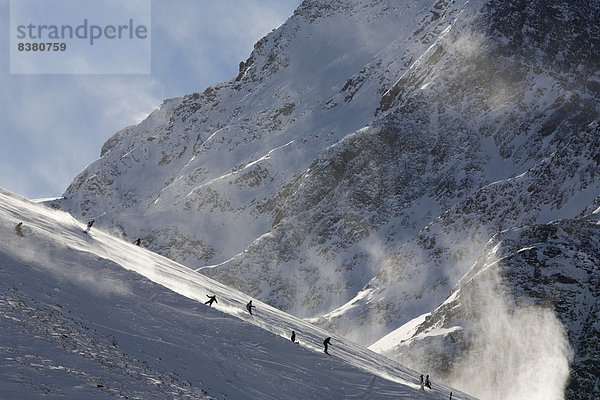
[(427, 383), (422, 387), (326, 344), (89, 226), (293, 337), (212, 299), (249, 307), (138, 242)]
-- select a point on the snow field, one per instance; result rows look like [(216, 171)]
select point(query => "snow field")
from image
[(95, 316)]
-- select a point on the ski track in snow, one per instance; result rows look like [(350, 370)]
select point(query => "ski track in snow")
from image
[(94, 316)]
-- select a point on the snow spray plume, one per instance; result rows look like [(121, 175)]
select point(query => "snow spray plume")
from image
[(54, 247), (517, 351)]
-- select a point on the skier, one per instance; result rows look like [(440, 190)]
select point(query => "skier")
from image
[(422, 388), (326, 344), (450, 395), (249, 307), (89, 226), (18, 229), (138, 242), (212, 299), (293, 337), (427, 383)]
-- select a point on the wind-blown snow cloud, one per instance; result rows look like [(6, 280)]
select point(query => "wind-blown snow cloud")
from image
[(518, 351), (488, 340), (72, 267), (520, 354)]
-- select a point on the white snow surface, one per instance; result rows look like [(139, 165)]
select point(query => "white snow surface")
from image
[(405, 332), (93, 316)]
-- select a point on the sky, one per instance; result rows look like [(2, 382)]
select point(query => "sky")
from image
[(53, 125)]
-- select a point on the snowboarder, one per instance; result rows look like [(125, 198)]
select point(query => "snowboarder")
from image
[(89, 226), (422, 387), (18, 229), (249, 307), (212, 299), (138, 242), (293, 337), (326, 344), (427, 383)]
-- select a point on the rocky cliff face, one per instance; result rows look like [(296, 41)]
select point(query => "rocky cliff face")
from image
[(357, 166), (426, 266), (467, 112)]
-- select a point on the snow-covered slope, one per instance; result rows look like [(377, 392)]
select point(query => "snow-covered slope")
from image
[(354, 170), (95, 316), (418, 276), (203, 165)]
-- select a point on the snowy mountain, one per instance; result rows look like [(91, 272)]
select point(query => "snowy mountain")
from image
[(95, 316), (356, 168)]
